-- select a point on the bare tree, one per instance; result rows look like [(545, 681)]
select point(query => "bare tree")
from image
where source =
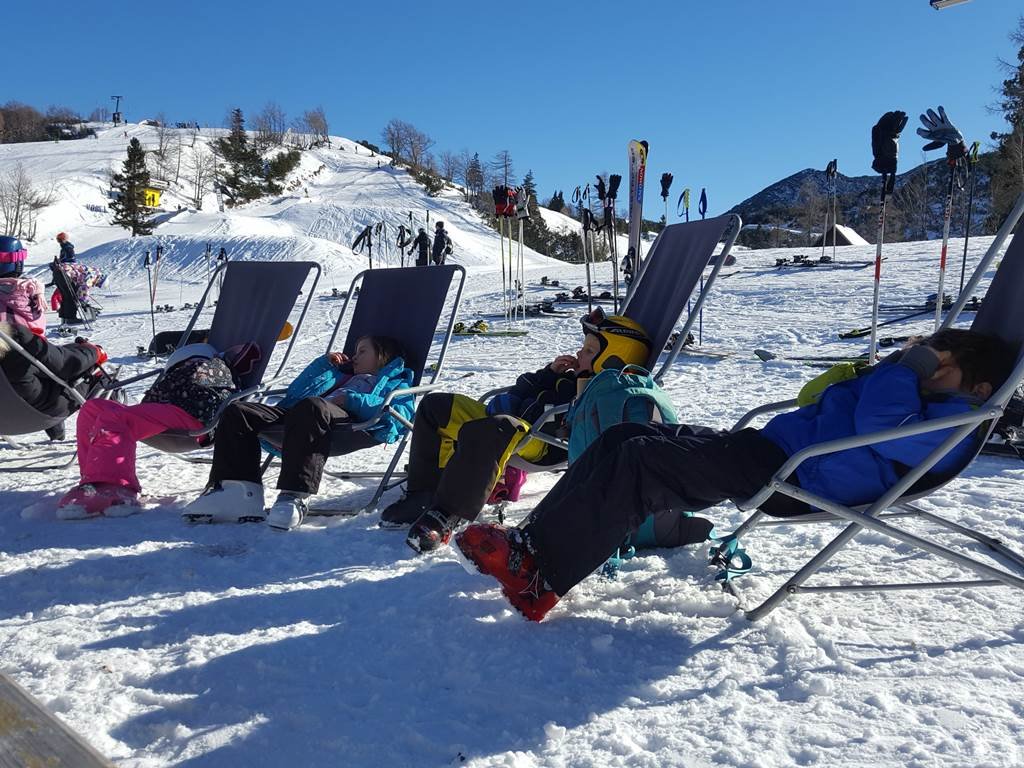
[(99, 115), (395, 137), (300, 133), (501, 166), (20, 202), (419, 148), (270, 125), (202, 170), (451, 165), (316, 119)]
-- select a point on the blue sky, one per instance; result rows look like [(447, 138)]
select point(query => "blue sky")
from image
[(731, 94)]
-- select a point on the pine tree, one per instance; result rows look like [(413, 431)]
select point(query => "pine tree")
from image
[(129, 208), (475, 177), (243, 178), (1008, 180)]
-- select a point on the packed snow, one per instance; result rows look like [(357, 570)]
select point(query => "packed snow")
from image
[(172, 644)]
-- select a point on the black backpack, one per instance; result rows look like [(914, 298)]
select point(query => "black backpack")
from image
[(198, 386)]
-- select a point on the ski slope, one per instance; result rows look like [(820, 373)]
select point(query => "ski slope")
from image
[(169, 644)]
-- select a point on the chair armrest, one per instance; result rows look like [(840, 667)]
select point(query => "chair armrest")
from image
[(492, 393), (386, 405), (749, 416)]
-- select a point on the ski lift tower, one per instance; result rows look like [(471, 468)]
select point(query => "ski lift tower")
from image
[(938, 5), (117, 109)]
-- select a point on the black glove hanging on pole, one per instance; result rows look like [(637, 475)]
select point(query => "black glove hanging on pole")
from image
[(885, 141), (666, 182), (939, 131)]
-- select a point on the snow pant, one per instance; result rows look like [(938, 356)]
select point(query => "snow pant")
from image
[(422, 259), (69, 362), (108, 432), (631, 472), (309, 438), (459, 452)]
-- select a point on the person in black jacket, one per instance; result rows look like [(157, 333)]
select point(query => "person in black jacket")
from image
[(67, 250), (442, 244), (71, 362), (460, 447), (422, 247)]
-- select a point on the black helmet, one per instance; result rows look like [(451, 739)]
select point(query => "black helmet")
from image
[(439, 225), (423, 229)]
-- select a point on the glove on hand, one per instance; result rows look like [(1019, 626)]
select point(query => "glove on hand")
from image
[(885, 141)]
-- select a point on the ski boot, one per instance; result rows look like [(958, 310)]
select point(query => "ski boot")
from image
[(229, 501), (406, 510), (432, 531), (97, 500), (288, 511), (504, 553)]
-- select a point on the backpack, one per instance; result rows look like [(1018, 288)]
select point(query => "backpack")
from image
[(615, 397), (198, 385), (22, 302), (631, 395)]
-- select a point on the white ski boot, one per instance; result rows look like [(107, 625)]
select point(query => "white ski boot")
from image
[(288, 511), (229, 501)]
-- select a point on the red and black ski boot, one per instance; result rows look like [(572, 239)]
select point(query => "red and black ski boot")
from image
[(503, 553)]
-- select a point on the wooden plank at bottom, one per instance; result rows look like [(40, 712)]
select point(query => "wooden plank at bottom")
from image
[(32, 737)]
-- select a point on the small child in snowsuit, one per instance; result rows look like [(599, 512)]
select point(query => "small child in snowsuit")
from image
[(634, 470), (460, 448), (196, 381), (332, 390), (67, 249)]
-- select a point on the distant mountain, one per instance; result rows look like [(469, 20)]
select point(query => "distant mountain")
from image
[(791, 211)]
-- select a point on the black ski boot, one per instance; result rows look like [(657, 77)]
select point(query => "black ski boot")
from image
[(432, 531), (406, 510)]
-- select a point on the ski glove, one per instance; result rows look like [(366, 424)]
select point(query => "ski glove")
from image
[(940, 131), (666, 182), (885, 141)]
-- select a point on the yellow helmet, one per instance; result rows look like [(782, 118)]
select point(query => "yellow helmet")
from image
[(623, 341)]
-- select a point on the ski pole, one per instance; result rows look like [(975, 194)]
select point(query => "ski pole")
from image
[(666, 183), (683, 204), (828, 206), (702, 209), (587, 223), (835, 207), (947, 216), (972, 169), (608, 199), (149, 278), (887, 181)]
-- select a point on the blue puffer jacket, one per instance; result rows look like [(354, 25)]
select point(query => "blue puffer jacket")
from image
[(889, 396), (320, 377)]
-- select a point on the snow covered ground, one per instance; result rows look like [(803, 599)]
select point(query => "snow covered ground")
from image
[(170, 644)]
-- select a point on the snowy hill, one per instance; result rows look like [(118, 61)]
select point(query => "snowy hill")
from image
[(333, 194)]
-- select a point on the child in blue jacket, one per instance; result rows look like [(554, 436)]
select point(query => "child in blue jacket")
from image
[(333, 389), (635, 470)]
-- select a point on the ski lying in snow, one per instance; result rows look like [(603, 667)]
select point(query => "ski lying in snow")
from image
[(490, 333), (929, 306), (765, 356), (859, 333), (701, 352)]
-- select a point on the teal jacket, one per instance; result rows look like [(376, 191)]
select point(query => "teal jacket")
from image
[(321, 377)]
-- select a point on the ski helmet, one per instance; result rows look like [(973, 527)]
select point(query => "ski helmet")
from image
[(623, 341), (61, 237), (423, 230), (190, 350), (439, 225), (12, 256)]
